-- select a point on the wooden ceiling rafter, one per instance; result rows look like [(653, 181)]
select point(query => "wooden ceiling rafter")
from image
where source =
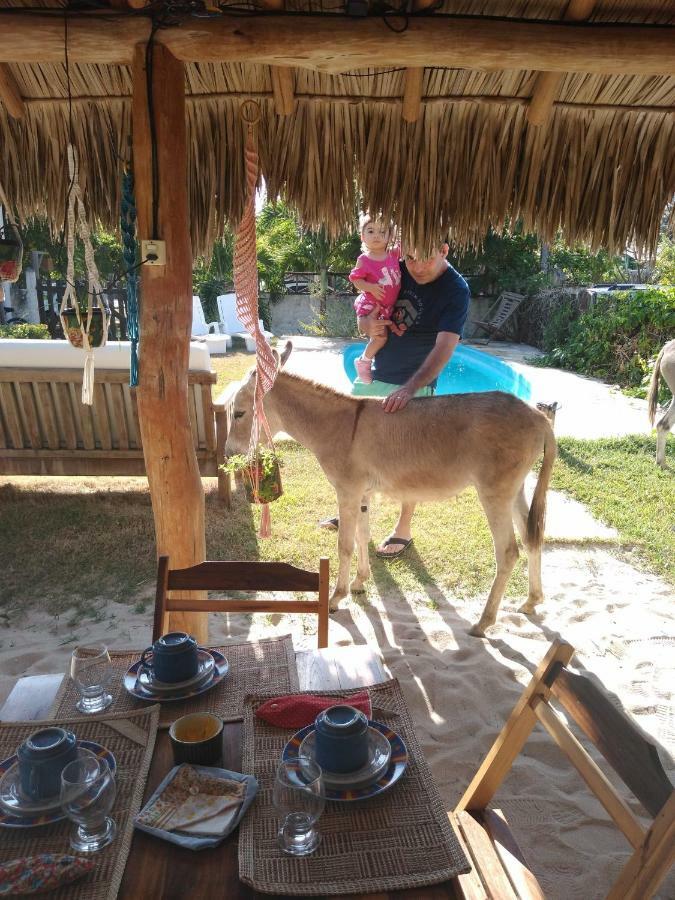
[(547, 85), (333, 44), (283, 80), (10, 95)]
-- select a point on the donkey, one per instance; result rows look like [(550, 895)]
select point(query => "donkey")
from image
[(664, 368), (434, 448)]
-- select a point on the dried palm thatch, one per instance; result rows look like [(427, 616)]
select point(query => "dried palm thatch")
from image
[(602, 169)]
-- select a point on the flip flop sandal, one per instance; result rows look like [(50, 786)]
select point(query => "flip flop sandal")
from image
[(390, 542), (333, 523)]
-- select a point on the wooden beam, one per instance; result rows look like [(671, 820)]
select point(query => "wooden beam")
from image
[(10, 94), (412, 94), (166, 320), (283, 89), (547, 85), (341, 44)]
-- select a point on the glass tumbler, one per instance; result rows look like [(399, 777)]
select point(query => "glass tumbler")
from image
[(300, 799), (87, 795), (91, 670)]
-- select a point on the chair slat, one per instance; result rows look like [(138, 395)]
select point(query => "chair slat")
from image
[(209, 418), (45, 410), (26, 402), (64, 415), (628, 751), (119, 419), (485, 858), (243, 576), (515, 865), (101, 417), (10, 414)]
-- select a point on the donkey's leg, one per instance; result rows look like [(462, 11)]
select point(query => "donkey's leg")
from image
[(348, 511), (663, 426), (535, 594), (362, 539), (499, 515)]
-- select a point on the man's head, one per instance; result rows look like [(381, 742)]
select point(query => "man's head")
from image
[(426, 268)]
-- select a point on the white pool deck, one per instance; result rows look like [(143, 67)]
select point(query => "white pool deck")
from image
[(589, 407)]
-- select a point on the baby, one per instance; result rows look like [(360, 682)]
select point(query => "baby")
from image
[(377, 276)]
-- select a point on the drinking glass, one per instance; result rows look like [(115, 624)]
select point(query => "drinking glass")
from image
[(87, 796), (300, 799), (91, 670)]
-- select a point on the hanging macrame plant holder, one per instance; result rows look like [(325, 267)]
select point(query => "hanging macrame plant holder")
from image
[(246, 289), (11, 245), (84, 317)]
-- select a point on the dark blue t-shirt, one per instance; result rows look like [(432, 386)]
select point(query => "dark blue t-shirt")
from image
[(425, 309)]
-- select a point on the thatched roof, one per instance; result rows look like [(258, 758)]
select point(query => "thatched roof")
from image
[(602, 167)]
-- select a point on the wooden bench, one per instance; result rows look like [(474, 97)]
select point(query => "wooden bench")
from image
[(46, 430), (500, 871)]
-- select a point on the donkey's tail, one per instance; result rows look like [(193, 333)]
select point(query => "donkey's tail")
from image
[(537, 514), (652, 399)]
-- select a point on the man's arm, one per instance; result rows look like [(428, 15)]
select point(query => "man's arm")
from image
[(444, 347)]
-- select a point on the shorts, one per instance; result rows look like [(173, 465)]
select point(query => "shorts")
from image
[(363, 306), (382, 389)]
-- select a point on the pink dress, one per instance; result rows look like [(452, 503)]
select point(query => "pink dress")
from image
[(386, 272)]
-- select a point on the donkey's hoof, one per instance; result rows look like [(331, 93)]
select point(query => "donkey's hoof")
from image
[(477, 630), (529, 607), (334, 601), (357, 587)]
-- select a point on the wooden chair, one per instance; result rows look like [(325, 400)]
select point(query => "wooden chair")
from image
[(240, 576), (499, 314), (499, 868)]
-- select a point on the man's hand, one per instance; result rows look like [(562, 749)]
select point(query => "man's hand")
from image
[(398, 399), (373, 327)]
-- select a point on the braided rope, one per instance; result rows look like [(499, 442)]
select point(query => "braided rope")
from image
[(246, 289), (129, 252), (76, 218)]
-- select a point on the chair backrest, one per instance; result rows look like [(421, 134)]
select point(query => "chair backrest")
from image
[(227, 314), (630, 753), (199, 325), (240, 576), (507, 304)]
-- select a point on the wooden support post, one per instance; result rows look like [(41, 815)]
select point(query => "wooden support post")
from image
[(283, 88), (10, 94), (547, 85), (166, 319), (412, 94)]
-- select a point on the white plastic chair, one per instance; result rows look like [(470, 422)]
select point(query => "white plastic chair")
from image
[(208, 332), (230, 322)]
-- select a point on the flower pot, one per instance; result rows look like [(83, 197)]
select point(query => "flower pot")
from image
[(11, 253), (269, 485), (73, 327)]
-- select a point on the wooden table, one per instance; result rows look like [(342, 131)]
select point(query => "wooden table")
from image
[(157, 869)]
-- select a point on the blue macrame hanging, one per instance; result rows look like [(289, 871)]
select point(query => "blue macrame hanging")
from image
[(130, 253)]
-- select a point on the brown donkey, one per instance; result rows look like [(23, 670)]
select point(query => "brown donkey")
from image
[(433, 448)]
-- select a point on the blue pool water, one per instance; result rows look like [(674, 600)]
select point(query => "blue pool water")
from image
[(469, 371)]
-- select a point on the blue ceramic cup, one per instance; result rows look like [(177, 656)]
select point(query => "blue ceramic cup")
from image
[(341, 739), (172, 658), (42, 757)]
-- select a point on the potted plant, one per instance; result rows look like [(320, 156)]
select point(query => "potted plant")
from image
[(76, 322), (11, 253), (261, 471)]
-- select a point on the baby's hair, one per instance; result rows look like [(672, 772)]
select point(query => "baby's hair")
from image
[(366, 218)]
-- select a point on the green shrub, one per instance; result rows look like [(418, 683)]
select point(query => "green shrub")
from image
[(34, 332), (616, 339)]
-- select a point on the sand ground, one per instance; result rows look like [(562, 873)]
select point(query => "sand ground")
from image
[(460, 688)]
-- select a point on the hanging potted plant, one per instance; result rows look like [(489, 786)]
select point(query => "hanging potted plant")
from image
[(261, 472), (80, 319), (11, 252)]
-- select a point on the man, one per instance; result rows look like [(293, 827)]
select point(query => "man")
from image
[(425, 327)]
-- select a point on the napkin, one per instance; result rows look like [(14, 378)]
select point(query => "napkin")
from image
[(299, 710), (38, 874)]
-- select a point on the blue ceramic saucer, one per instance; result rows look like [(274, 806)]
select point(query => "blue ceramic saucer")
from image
[(397, 763), (133, 684)]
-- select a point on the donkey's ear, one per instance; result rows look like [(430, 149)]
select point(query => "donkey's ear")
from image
[(286, 352)]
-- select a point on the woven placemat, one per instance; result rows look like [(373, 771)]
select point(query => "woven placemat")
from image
[(258, 665), (131, 739), (399, 839)]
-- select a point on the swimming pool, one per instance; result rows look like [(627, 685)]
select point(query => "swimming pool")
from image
[(469, 371)]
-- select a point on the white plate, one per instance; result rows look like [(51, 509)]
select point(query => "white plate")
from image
[(379, 754), (14, 801), (148, 682)]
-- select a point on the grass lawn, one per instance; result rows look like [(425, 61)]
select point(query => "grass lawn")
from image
[(68, 541)]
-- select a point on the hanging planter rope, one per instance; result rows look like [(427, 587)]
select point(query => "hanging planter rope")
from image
[(246, 289), (84, 317), (11, 245)]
